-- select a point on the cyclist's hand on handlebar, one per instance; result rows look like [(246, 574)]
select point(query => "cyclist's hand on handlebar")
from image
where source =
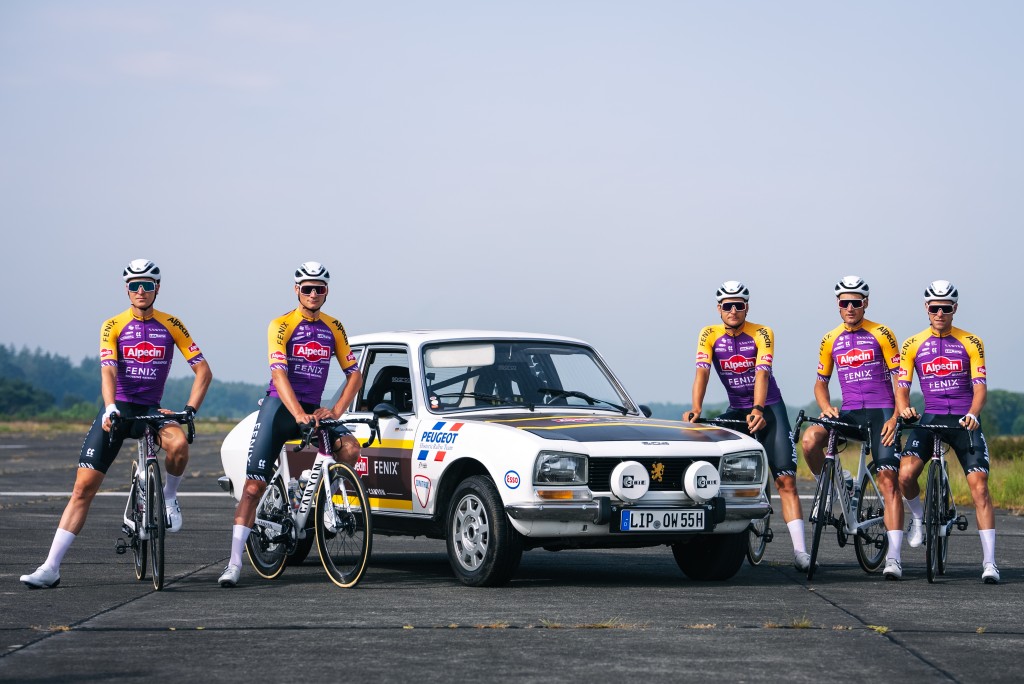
[(691, 416), (909, 413), (755, 421), (888, 434), (970, 422), (830, 412), (111, 410), (323, 414)]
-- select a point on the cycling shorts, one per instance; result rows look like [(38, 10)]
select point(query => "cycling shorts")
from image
[(776, 437), (275, 425), (919, 443), (885, 457), (99, 452)]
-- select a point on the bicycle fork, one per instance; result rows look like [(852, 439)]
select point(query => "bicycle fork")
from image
[(128, 519)]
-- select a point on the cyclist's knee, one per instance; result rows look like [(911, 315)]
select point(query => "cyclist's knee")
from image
[(87, 483), (347, 450), (173, 441), (785, 484)]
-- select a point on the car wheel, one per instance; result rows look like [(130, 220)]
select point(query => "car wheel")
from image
[(714, 557), (483, 548)]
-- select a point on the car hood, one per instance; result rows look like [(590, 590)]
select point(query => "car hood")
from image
[(577, 428)]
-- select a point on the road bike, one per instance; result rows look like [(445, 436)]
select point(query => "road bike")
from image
[(332, 495), (759, 533), (145, 516), (859, 513), (940, 514)]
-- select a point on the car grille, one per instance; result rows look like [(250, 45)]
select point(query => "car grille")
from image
[(600, 471)]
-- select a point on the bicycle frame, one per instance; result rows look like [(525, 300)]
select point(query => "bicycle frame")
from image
[(301, 515), (847, 509), (146, 452)]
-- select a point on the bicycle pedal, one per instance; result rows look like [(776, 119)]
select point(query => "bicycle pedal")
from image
[(120, 546), (769, 536), (961, 523)]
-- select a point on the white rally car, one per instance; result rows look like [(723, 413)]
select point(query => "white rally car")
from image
[(499, 442)]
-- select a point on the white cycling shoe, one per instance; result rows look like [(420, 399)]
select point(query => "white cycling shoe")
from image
[(893, 569), (990, 574), (802, 561), (915, 536), (45, 578), (173, 515), (229, 577)]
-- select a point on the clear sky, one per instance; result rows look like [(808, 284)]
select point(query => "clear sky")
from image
[(593, 169)]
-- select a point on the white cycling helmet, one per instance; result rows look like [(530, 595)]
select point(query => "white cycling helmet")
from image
[(852, 284), (141, 268), (732, 288), (941, 289), (312, 270)]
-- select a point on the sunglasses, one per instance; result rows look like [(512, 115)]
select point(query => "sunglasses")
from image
[(733, 306), (847, 303), (943, 308), (313, 289), (141, 286)]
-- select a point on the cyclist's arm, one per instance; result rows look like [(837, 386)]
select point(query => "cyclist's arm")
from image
[(108, 389), (353, 383), (287, 395), (755, 419), (700, 388), (977, 404), (903, 407), (200, 384), (824, 399)]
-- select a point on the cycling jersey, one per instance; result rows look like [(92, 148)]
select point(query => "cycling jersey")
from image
[(737, 358), (948, 365), (303, 348), (141, 350), (866, 358)]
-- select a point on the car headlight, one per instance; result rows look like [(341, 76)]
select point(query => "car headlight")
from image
[(744, 467), (560, 468)]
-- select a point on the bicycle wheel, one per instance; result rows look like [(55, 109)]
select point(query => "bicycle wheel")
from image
[(821, 510), (267, 549), (870, 542), (945, 506), (344, 534), (932, 516), (135, 511), (156, 522), (758, 536)]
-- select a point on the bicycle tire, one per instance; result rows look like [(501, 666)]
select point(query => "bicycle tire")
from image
[(267, 555), (931, 519), (345, 544), (156, 522), (139, 546), (870, 543), (945, 505), (820, 511), (758, 536)]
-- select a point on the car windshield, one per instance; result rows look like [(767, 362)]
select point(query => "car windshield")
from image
[(523, 374)]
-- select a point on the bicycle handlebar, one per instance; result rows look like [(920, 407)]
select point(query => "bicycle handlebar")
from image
[(833, 424), (932, 428), (186, 418), (312, 426)]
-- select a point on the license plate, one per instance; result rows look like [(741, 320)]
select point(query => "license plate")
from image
[(655, 520)]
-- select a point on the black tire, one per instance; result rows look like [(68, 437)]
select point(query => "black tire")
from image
[(156, 522), (484, 549), (945, 506), (302, 546), (932, 517), (711, 557), (758, 536), (346, 543), (821, 511), (135, 507), (872, 542), (266, 554)]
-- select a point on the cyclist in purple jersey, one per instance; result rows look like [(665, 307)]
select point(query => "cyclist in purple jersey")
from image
[(742, 355), (866, 358), (950, 363), (300, 345), (136, 348)]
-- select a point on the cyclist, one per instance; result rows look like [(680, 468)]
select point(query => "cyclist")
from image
[(741, 354), (135, 358), (950, 363), (300, 346), (867, 357)]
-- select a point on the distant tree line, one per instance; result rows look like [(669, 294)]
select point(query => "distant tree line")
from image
[(38, 384)]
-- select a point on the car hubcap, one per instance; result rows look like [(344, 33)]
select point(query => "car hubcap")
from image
[(470, 532)]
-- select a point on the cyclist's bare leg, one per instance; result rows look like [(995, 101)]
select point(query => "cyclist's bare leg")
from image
[(888, 484), (978, 482), (814, 440), (911, 468), (172, 440), (786, 486), (346, 449), (87, 483), (245, 512)]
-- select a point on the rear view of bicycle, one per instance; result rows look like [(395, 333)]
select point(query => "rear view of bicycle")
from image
[(145, 521), (858, 513), (759, 534), (940, 516), (333, 494)]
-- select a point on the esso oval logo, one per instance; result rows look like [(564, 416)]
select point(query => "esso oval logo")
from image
[(512, 479)]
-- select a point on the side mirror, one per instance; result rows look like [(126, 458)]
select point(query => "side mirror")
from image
[(386, 410), (646, 410)]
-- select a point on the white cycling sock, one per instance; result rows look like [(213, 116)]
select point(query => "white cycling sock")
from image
[(171, 483), (916, 507), (796, 531), (239, 533), (61, 543), (895, 542), (988, 545)]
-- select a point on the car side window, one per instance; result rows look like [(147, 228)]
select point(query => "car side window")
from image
[(386, 379)]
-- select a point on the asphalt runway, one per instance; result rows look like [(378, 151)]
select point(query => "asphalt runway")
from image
[(567, 616)]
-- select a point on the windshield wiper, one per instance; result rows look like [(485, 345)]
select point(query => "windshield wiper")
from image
[(492, 399), (581, 395)]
